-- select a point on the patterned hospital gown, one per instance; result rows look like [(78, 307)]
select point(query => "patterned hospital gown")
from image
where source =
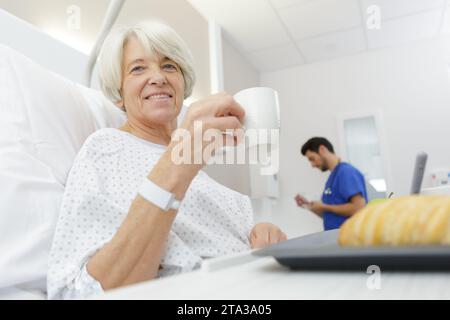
[(212, 220)]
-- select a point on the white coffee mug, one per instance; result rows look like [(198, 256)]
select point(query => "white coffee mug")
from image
[(262, 109)]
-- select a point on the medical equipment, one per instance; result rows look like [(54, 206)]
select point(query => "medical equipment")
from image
[(111, 15)]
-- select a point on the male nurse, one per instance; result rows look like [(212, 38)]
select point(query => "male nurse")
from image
[(345, 190)]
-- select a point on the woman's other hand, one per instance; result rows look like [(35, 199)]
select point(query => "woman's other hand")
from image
[(219, 111), (203, 129), (265, 234)]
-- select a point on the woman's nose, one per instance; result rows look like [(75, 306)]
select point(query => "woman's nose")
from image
[(157, 78)]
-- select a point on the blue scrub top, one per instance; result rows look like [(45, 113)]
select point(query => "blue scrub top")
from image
[(344, 182)]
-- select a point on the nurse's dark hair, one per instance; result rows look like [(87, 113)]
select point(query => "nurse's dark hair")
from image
[(313, 145)]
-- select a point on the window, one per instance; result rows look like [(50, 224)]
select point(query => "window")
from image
[(360, 138)]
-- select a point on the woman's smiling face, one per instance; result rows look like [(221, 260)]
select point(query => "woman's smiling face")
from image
[(152, 87)]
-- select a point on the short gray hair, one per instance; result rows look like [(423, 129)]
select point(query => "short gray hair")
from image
[(155, 37)]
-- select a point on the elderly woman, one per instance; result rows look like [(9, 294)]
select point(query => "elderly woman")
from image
[(115, 226)]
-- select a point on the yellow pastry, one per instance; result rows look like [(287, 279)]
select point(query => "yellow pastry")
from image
[(409, 220)]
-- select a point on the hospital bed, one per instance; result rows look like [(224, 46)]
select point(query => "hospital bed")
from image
[(47, 110)]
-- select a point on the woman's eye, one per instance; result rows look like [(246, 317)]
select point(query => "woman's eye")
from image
[(137, 69), (169, 67)]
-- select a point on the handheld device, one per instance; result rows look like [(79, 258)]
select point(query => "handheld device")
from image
[(419, 170)]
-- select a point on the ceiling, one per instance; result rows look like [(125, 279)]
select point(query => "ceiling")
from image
[(52, 16), (276, 34), (271, 34)]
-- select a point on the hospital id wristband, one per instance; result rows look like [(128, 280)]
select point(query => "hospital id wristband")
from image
[(158, 196)]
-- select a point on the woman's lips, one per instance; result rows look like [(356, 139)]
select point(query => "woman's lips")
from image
[(158, 96)]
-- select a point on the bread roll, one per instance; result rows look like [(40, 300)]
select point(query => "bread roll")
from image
[(410, 220)]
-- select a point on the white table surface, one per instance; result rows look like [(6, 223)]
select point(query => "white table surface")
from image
[(264, 278)]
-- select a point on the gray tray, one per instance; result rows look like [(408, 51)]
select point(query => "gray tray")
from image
[(320, 251)]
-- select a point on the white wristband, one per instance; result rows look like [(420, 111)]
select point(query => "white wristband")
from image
[(158, 196)]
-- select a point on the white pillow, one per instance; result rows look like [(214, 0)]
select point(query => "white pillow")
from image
[(44, 120)]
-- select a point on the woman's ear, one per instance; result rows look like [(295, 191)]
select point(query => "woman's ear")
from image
[(121, 105)]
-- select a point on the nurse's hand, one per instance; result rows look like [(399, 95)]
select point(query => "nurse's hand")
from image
[(301, 201), (264, 234), (317, 207)]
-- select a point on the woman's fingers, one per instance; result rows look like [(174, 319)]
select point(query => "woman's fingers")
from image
[(229, 107), (253, 243), (258, 240), (216, 106), (224, 124), (215, 117), (265, 234), (276, 235), (281, 236)]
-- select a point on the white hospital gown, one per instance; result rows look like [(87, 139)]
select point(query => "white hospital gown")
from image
[(212, 220)]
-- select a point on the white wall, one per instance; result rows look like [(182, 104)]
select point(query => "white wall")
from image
[(239, 74), (41, 48), (409, 84)]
